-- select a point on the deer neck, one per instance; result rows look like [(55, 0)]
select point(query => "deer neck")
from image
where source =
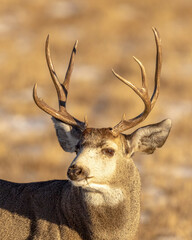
[(118, 217), (75, 214), (113, 211)]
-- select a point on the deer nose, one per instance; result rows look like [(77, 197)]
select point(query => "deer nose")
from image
[(76, 173)]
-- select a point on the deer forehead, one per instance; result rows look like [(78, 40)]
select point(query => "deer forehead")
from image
[(100, 137)]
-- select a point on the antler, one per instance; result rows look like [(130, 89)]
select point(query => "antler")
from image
[(149, 103), (62, 91)]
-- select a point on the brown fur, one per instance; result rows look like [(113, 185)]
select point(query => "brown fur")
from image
[(59, 210)]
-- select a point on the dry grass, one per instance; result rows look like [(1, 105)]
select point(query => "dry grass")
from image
[(109, 33)]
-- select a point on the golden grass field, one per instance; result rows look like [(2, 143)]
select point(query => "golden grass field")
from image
[(109, 34)]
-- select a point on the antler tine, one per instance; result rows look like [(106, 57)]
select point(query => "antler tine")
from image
[(62, 90), (143, 73), (138, 91), (127, 83), (123, 125), (69, 69), (59, 89), (158, 67)]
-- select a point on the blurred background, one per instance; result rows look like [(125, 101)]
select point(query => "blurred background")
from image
[(109, 34)]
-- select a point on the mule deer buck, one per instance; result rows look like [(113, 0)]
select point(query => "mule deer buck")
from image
[(101, 199)]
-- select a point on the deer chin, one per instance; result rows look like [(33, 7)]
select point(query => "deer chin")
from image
[(90, 186), (79, 183)]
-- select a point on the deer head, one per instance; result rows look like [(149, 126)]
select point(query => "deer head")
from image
[(101, 152)]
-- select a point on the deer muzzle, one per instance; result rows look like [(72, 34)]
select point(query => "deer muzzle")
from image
[(77, 173)]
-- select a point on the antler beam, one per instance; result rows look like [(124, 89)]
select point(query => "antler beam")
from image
[(62, 91), (149, 103)]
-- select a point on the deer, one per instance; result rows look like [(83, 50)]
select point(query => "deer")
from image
[(100, 200)]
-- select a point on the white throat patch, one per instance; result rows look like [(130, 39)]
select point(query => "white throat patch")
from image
[(102, 194)]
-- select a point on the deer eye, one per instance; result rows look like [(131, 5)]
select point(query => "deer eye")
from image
[(108, 152)]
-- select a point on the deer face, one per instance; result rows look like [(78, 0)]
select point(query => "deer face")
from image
[(98, 154), (101, 155)]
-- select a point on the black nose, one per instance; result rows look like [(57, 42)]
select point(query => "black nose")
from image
[(76, 173)]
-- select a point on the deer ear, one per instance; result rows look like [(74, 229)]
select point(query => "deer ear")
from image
[(68, 136), (148, 138)]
